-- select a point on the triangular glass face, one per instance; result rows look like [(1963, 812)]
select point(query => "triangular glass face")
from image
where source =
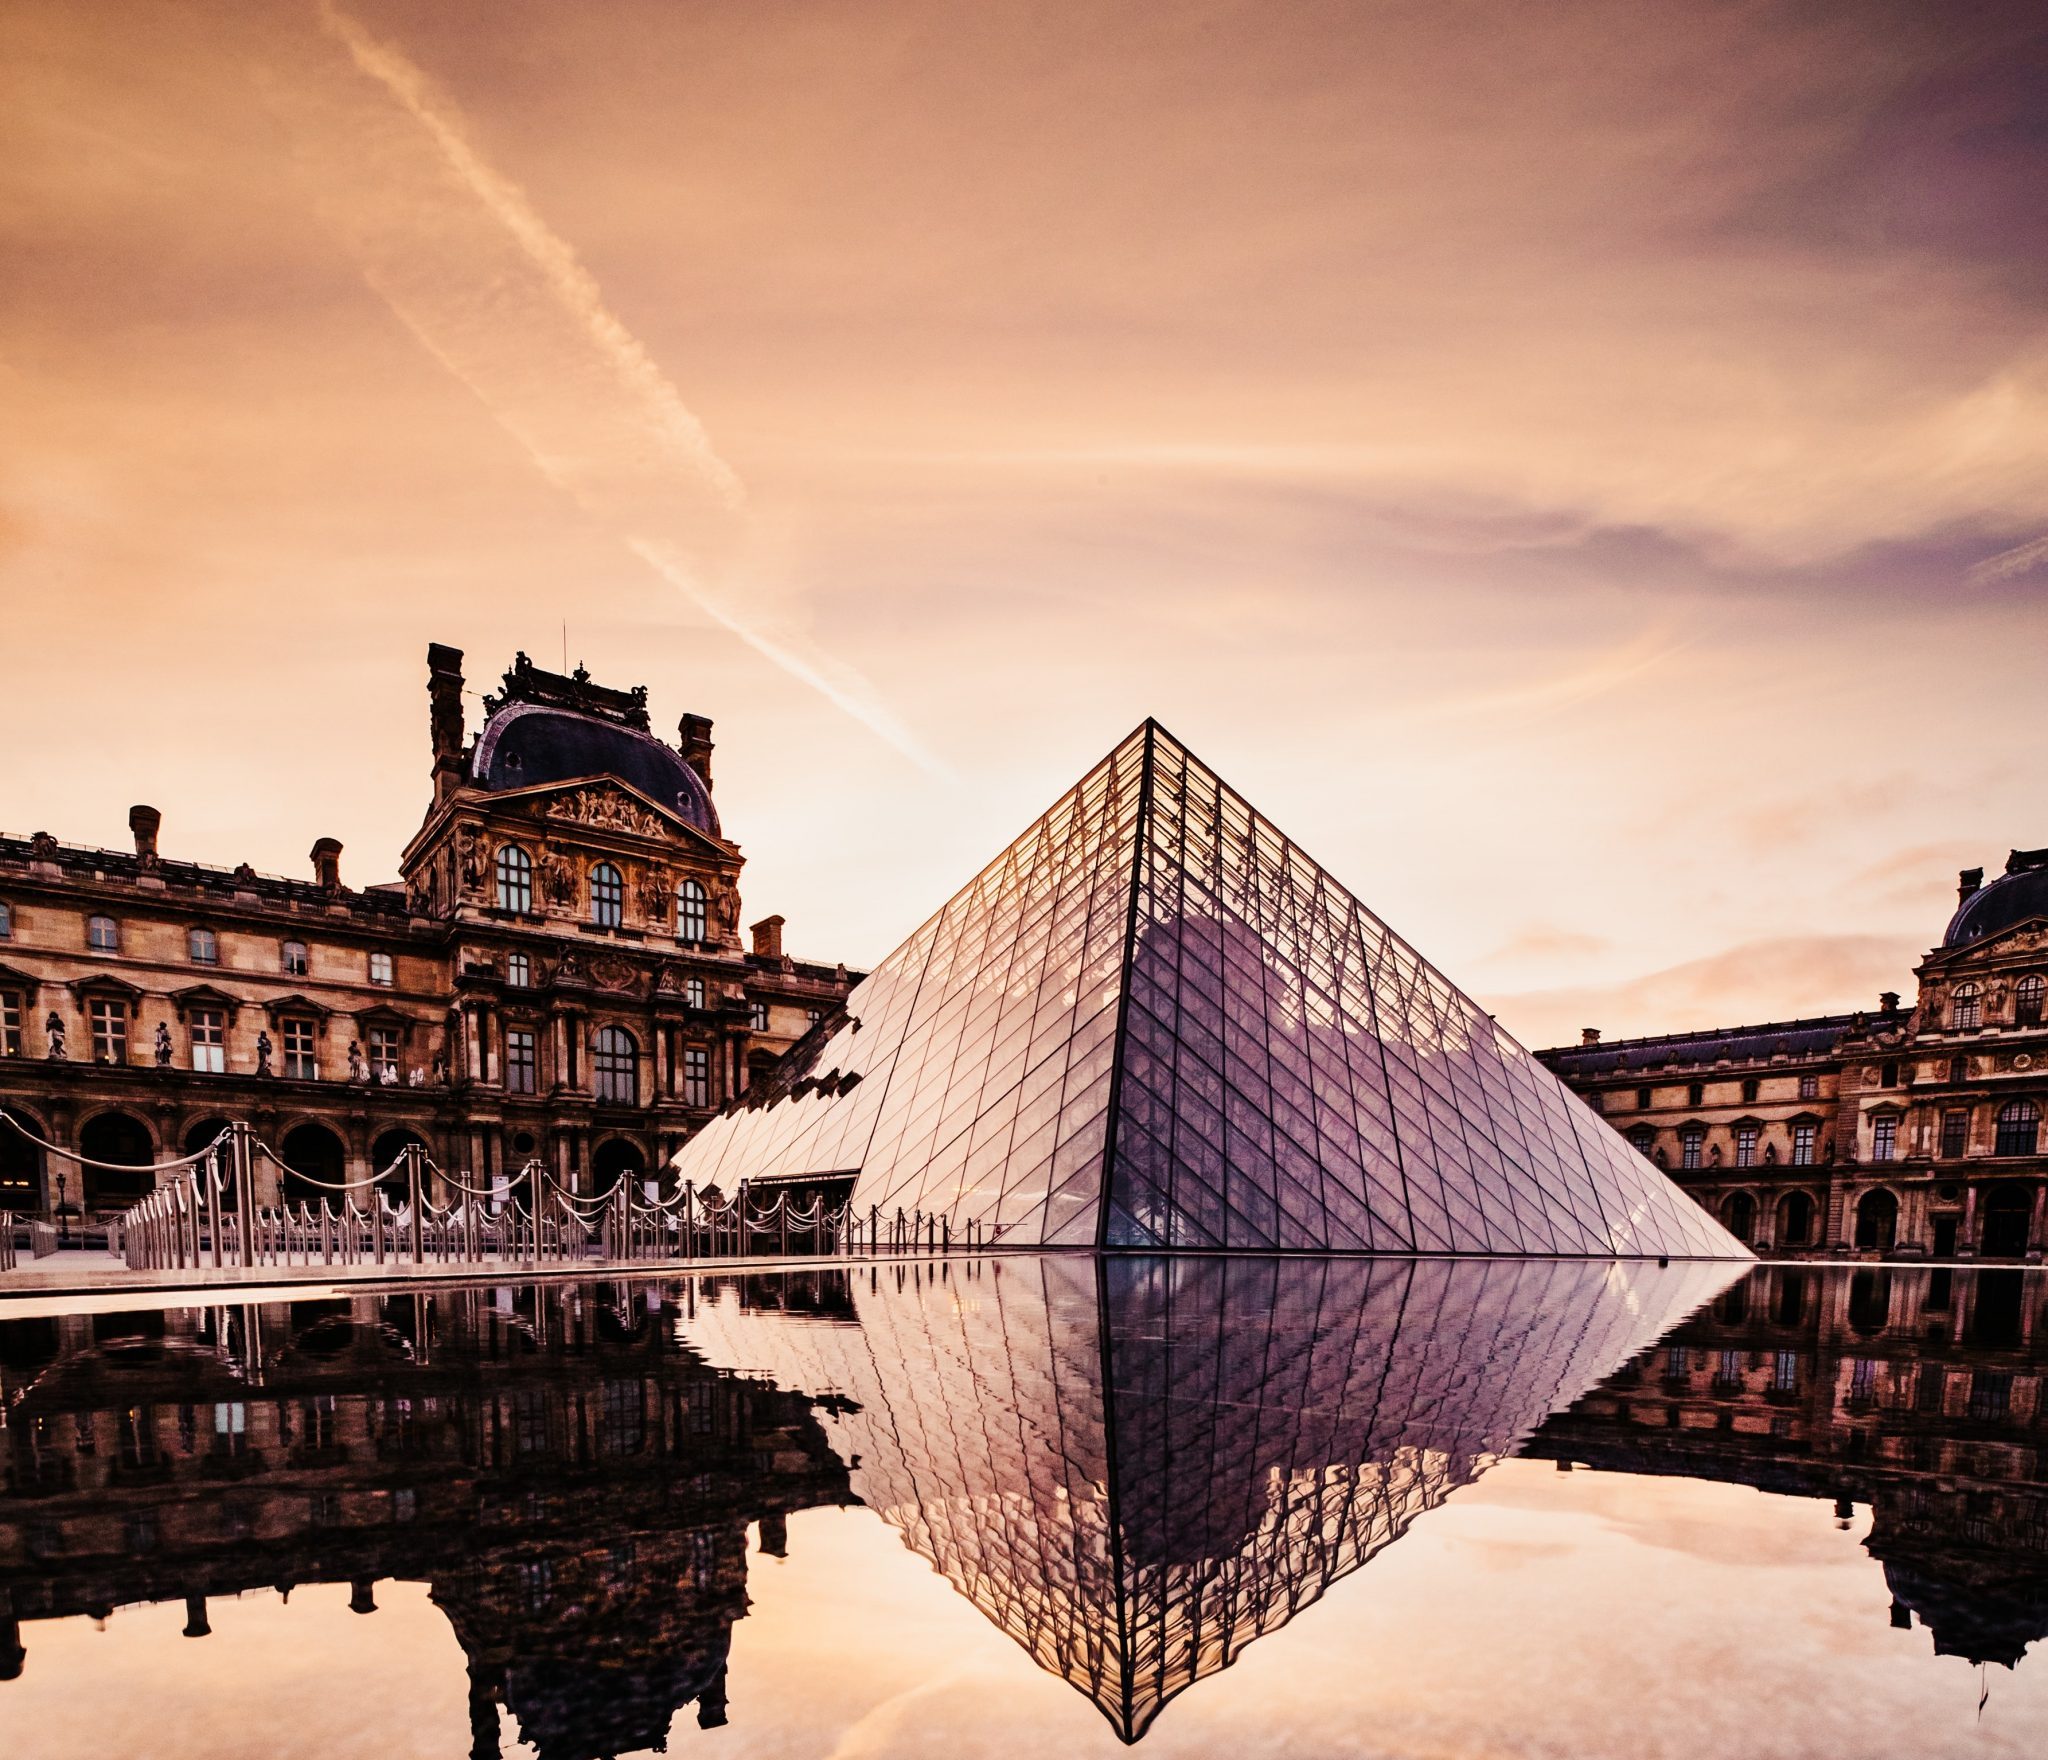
[(1155, 998)]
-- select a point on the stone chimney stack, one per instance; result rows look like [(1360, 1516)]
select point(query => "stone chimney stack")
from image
[(145, 822), (1589, 1035), (1968, 882), (327, 864), (693, 740), (444, 696), (768, 938)]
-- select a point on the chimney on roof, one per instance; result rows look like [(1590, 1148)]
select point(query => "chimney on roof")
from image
[(693, 740), (145, 822), (1888, 1000), (444, 698), (768, 938), (1589, 1035), (1968, 881), (327, 864)]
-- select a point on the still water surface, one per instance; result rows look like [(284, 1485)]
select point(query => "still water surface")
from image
[(1040, 1506)]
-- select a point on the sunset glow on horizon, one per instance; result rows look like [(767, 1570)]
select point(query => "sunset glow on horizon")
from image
[(1584, 477)]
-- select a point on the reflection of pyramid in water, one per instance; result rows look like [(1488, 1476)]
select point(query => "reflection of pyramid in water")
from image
[(1136, 1465), (1155, 992)]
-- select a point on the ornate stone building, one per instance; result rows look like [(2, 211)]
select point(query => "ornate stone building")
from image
[(557, 973), (1896, 1133)]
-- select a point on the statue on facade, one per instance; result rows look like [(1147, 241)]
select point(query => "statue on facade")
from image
[(163, 1046), (357, 1070), (655, 886), (557, 879), (263, 1054), (476, 856), (42, 847), (725, 910), (54, 1028), (420, 894)]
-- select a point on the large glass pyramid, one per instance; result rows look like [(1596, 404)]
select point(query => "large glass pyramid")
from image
[(1152, 1022)]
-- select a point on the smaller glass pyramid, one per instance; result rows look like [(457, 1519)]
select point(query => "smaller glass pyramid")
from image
[(1152, 1022)]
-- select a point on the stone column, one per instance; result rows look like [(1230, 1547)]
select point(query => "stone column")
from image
[(2035, 1243), (1966, 1242)]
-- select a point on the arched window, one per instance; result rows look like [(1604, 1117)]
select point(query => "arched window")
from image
[(293, 958), (2027, 996), (692, 914), (1795, 1220), (607, 896), (1959, 1069), (1877, 1221), (203, 947), (1738, 1215), (615, 1066), (103, 934), (515, 879), (2019, 1128), (1967, 1008)]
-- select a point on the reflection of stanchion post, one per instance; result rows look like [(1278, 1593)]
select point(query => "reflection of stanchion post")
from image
[(689, 1219)]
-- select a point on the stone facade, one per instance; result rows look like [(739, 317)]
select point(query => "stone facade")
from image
[(1893, 1133), (557, 973)]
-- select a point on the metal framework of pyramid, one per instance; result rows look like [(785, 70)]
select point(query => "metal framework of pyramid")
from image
[(1153, 1023)]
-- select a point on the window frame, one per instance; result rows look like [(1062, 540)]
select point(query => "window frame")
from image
[(383, 969), (519, 971), (615, 1066), (1966, 1009), (693, 911), (1692, 1148), (757, 1015), (607, 895), (1805, 1143), (300, 1063), (102, 933), (522, 1060), (2029, 996), (202, 945), (696, 1075), (512, 877), (1884, 1137), (206, 1040), (295, 959), (106, 1029), (2018, 1127)]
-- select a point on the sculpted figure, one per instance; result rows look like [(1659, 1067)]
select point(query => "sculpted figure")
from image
[(725, 909), (356, 1071), (54, 1027), (42, 847), (163, 1045), (263, 1054)]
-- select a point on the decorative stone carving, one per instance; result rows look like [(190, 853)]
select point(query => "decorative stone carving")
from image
[(725, 910), (42, 847), (557, 878), (358, 1071), (570, 968), (669, 981), (53, 1027), (611, 972), (609, 809), (475, 857), (263, 1054), (163, 1046), (655, 886)]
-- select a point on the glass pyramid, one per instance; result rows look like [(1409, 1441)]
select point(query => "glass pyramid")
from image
[(1137, 1465), (1153, 1022)]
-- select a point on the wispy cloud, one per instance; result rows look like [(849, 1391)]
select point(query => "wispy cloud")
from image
[(2007, 564), (463, 258), (1567, 685)]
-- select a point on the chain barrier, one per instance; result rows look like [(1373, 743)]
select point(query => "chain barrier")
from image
[(203, 1212)]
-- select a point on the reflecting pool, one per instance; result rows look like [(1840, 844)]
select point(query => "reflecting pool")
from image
[(1039, 1505)]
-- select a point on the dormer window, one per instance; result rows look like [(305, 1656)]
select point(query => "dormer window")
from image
[(294, 960), (515, 879), (103, 934), (693, 917), (607, 896)]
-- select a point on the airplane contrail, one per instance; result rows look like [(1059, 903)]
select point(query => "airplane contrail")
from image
[(2023, 559), (465, 261)]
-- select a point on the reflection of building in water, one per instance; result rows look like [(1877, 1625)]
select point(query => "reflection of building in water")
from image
[(1922, 1392), (574, 1486), (1136, 1466)]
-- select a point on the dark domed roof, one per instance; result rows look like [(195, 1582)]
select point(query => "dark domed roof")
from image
[(2016, 896), (528, 743)]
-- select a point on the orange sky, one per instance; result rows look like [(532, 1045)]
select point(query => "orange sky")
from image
[(1574, 472)]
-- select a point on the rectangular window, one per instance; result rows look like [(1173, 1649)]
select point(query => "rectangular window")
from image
[(102, 934), (1955, 1135), (522, 1067), (1802, 1144), (1785, 1372), (10, 1023), (380, 969), (1809, 1087), (209, 1041), (1884, 1139), (109, 1030), (757, 1017), (696, 1076), (301, 1053), (292, 957), (383, 1048), (1863, 1379), (814, 1015), (1677, 1363), (518, 970), (1690, 1144), (1745, 1145)]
